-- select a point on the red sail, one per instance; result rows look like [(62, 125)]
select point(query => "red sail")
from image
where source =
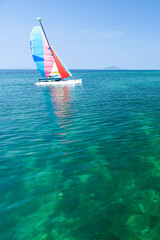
[(62, 71)]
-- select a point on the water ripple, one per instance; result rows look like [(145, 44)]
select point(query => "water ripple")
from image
[(80, 162)]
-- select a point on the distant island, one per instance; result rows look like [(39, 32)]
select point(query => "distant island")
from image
[(112, 68)]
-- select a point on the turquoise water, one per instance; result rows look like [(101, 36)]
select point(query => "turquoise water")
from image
[(80, 162)]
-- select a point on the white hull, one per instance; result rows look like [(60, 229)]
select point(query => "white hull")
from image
[(65, 82)]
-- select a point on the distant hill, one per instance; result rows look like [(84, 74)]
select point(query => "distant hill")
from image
[(112, 68)]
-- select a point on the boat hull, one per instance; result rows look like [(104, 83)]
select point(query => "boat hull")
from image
[(66, 82)]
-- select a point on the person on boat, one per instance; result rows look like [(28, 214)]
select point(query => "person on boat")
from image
[(58, 79), (51, 79)]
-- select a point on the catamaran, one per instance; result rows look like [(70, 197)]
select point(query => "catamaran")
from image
[(49, 65)]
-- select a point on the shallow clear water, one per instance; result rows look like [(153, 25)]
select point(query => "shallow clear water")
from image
[(80, 162)]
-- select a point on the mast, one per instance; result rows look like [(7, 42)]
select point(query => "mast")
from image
[(40, 21), (63, 71)]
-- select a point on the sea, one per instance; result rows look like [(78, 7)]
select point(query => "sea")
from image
[(80, 162)]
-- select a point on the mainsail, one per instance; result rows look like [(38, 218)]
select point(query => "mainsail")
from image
[(47, 61)]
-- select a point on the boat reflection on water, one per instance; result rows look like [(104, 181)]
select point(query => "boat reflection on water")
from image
[(61, 97)]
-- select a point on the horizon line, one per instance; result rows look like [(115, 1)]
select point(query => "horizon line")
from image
[(98, 69)]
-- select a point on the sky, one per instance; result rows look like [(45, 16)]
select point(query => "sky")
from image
[(86, 34)]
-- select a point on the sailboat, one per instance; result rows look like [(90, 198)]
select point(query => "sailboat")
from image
[(48, 63)]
